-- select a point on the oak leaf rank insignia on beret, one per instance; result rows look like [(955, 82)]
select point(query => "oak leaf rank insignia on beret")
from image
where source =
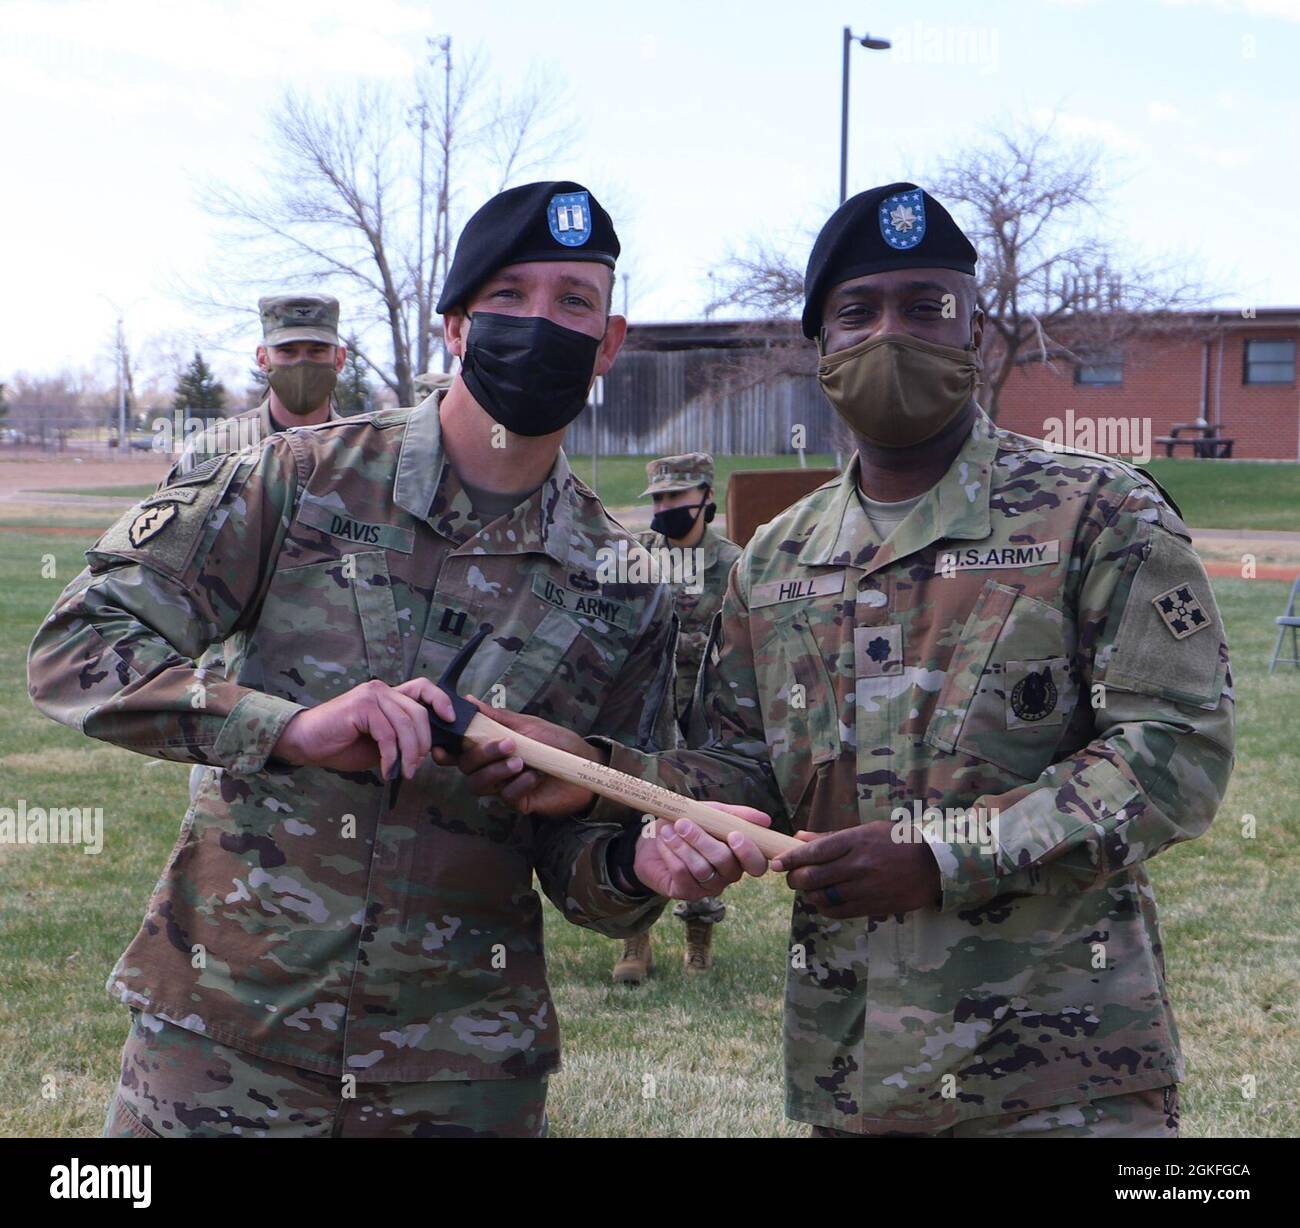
[(902, 219)]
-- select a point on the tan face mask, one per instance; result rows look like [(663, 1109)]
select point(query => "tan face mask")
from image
[(303, 386), (897, 391)]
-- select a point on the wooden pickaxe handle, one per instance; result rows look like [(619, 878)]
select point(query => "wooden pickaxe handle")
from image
[(618, 786)]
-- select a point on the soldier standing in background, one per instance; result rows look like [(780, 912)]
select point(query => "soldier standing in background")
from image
[(345, 940), (684, 507), (986, 680), (301, 357)]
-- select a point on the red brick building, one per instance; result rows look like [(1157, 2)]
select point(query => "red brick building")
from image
[(1236, 373), (667, 392)]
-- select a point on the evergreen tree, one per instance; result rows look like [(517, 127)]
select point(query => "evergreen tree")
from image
[(352, 394), (198, 388)]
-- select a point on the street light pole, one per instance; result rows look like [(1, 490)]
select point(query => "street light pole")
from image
[(121, 392), (844, 118), (871, 44), (119, 344)]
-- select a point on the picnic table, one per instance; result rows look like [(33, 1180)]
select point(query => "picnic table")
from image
[(1205, 441)]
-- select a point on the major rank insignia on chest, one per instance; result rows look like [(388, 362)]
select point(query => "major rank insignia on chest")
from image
[(1181, 612)]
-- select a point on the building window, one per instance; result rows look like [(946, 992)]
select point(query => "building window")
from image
[(1100, 369), (1269, 362)]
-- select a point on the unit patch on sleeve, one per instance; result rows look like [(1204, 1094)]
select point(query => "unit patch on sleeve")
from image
[(150, 522), (1180, 611)]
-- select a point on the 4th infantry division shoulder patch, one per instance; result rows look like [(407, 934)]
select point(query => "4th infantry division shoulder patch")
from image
[(150, 522), (1182, 613)]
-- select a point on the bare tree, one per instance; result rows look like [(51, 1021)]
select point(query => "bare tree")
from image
[(763, 279), (1049, 288), (365, 192)]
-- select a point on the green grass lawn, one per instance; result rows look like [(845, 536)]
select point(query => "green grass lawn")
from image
[(1212, 495), (711, 1046), (126, 492), (620, 479), (1227, 495)]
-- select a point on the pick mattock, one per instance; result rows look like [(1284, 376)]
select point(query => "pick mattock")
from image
[(473, 726)]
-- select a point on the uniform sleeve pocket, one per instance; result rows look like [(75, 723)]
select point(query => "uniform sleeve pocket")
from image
[(1169, 640)]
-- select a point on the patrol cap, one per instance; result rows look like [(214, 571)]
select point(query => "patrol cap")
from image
[(685, 472), (555, 220), (899, 226), (299, 317)]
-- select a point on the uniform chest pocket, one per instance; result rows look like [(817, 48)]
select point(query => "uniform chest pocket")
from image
[(565, 671), (325, 628), (1010, 688), (799, 702)]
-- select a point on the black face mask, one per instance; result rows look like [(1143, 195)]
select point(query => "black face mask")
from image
[(676, 522), (531, 375)]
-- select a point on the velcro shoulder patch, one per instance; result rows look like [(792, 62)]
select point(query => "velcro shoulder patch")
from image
[(204, 471), (1159, 648), (164, 530)]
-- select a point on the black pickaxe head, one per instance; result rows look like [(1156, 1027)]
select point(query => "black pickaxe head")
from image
[(450, 734)]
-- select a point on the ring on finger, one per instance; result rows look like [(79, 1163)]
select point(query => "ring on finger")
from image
[(833, 896)]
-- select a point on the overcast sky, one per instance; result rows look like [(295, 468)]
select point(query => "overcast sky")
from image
[(702, 122)]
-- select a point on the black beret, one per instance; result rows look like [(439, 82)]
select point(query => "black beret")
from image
[(556, 220), (899, 226)]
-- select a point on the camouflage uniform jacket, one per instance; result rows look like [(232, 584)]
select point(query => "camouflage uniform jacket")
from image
[(340, 923), (695, 611), (231, 434), (955, 665)]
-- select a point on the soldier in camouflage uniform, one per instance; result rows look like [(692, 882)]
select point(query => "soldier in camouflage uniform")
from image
[(301, 356), (298, 331), (971, 621), (696, 560), (344, 940)]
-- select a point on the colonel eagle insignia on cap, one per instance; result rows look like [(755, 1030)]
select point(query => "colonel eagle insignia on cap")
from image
[(902, 219), (569, 217)]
